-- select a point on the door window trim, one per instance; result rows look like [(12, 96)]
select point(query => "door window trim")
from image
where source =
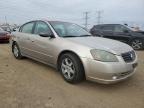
[(36, 22), (20, 30)]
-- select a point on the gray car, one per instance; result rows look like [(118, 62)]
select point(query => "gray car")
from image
[(74, 52)]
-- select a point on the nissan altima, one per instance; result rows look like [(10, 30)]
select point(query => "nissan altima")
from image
[(74, 52)]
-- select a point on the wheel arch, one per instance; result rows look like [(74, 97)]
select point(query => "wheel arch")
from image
[(13, 42), (72, 52), (136, 38)]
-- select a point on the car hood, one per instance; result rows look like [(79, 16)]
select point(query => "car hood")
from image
[(100, 43)]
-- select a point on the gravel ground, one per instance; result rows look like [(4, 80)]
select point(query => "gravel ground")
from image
[(29, 84)]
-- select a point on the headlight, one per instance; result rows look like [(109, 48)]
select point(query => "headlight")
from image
[(103, 56)]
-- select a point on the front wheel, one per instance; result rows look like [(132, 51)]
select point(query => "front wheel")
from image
[(71, 68), (137, 44)]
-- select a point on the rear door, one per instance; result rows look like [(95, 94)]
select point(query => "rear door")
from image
[(23, 37), (122, 33), (107, 31)]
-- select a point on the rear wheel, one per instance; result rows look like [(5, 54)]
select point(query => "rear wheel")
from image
[(71, 68), (16, 51), (137, 44)]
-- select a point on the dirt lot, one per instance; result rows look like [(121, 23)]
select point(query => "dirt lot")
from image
[(29, 84)]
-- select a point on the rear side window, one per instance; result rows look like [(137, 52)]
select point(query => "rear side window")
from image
[(108, 28), (27, 28)]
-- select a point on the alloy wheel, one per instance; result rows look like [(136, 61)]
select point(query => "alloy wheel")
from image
[(68, 68), (137, 44), (15, 51)]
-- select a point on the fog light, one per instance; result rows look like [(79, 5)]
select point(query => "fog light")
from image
[(114, 77)]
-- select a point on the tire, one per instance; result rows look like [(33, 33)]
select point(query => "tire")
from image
[(16, 51), (71, 68), (137, 44)]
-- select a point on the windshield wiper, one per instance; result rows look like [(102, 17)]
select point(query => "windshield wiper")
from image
[(85, 35), (69, 36), (76, 36)]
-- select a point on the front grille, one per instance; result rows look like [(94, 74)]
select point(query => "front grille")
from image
[(129, 56), (124, 74)]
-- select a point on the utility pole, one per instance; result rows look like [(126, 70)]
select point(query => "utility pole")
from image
[(6, 20), (99, 16), (86, 19)]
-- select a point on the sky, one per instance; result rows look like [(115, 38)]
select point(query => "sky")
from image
[(112, 11)]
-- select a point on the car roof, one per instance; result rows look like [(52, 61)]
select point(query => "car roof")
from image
[(106, 24), (45, 20)]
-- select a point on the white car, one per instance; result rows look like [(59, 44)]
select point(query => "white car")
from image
[(74, 52)]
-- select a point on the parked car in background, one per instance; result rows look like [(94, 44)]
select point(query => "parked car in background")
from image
[(121, 33), (74, 52), (6, 28), (4, 36)]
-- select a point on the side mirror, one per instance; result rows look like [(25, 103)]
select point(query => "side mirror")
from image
[(46, 35), (14, 29)]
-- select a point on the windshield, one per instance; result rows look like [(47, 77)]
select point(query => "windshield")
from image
[(65, 29), (126, 28)]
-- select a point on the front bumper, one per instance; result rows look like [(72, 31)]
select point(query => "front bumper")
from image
[(108, 72)]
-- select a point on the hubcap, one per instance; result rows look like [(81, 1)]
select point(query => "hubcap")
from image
[(136, 44), (68, 69), (15, 51)]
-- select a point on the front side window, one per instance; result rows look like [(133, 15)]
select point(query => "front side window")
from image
[(120, 28), (65, 29), (27, 28), (42, 27)]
